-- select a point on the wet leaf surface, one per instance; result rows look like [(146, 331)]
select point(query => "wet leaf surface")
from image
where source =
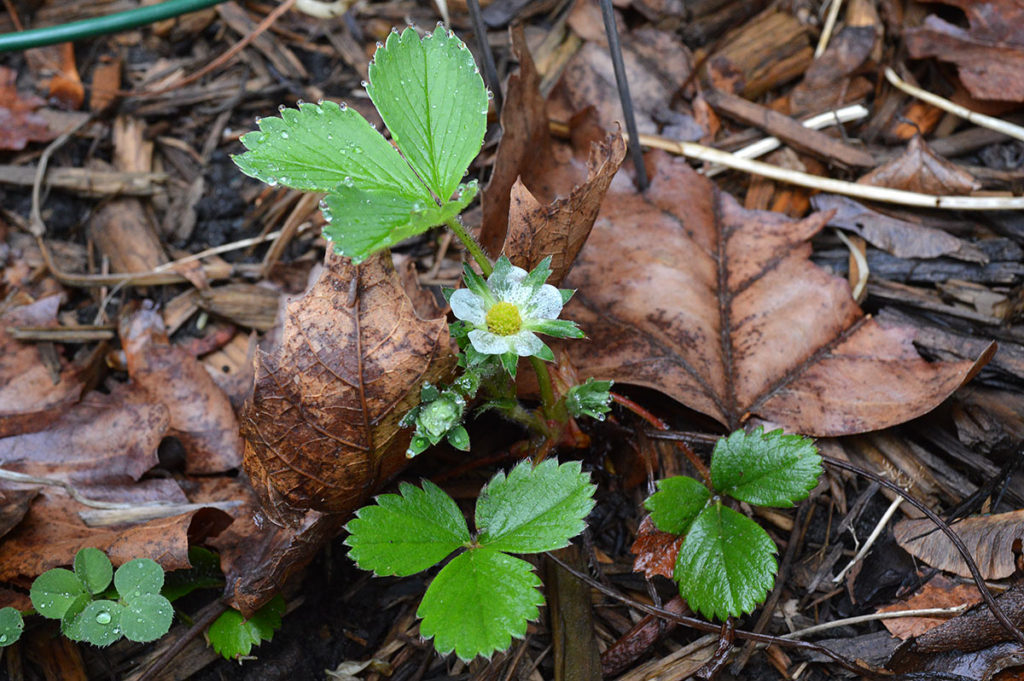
[(322, 425), (721, 309)]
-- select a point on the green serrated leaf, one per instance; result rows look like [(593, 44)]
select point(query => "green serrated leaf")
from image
[(478, 602), (404, 534), (363, 221), (146, 618), (137, 577), (431, 96), (318, 147), (232, 636), (99, 623), (93, 569), (54, 591), (676, 504), (767, 469), (11, 626), (726, 564), (204, 574), (536, 508)]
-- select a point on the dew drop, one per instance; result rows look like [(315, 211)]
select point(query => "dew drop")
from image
[(284, 135), (343, 106), (394, 30), (363, 83), (358, 150), (3, 638), (379, 44), (490, 95), (299, 102), (103, 618)]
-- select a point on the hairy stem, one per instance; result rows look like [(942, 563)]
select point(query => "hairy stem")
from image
[(547, 395), (471, 244)]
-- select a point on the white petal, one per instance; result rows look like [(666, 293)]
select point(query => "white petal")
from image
[(525, 343), (517, 294), (468, 306), (502, 286), (490, 343), (546, 304)]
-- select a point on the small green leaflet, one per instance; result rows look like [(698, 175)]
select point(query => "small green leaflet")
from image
[(233, 636), (54, 591), (483, 597), (534, 509), (99, 623), (430, 95), (93, 569), (403, 535), (726, 564), (767, 469), (478, 602), (11, 626), (676, 504)]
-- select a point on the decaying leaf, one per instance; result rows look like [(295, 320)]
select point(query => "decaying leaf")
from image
[(901, 238), (655, 551), (989, 54), (201, 416), (19, 123), (939, 592), (104, 439), (560, 228), (322, 427), (919, 169), (30, 396), (989, 539), (683, 291)]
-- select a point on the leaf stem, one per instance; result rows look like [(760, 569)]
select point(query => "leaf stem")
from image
[(547, 395), (471, 244)]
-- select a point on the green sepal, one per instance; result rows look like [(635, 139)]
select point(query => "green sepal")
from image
[(509, 362), (479, 602), (557, 328), (458, 437), (767, 469), (545, 353), (405, 533), (677, 503), (726, 564)]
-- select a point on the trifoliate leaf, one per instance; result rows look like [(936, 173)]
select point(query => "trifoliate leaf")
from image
[(726, 564), (146, 618), (478, 602), (404, 534), (767, 469), (11, 626), (363, 221), (93, 569), (536, 508), (321, 146), (676, 503), (204, 574), (431, 96), (590, 398), (54, 591), (137, 577), (99, 623), (233, 636)]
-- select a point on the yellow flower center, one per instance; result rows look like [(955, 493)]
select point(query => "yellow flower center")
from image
[(503, 319)]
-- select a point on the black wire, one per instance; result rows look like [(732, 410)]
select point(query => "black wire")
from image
[(627, 102), (490, 71)]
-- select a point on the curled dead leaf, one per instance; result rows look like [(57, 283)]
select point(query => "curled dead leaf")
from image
[(656, 551), (989, 539), (919, 169), (322, 427)]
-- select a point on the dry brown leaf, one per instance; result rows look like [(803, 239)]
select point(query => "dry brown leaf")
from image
[(52, 533), (19, 124), (655, 551), (826, 82), (201, 416), (104, 439), (560, 229), (30, 396), (683, 291), (988, 538), (939, 592), (322, 427), (901, 238), (919, 169), (989, 54), (54, 68)]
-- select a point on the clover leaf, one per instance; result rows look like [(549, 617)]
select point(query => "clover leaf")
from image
[(11, 626), (93, 569), (54, 591), (430, 95), (483, 597)]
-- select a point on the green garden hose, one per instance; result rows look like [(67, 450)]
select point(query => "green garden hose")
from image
[(113, 23)]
